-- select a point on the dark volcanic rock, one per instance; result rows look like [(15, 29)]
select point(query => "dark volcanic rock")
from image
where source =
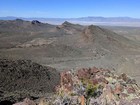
[(66, 23), (19, 20), (36, 22), (26, 76), (6, 102)]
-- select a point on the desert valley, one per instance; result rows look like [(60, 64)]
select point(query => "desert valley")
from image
[(37, 57)]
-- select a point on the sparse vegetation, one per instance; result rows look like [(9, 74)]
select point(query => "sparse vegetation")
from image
[(65, 46)]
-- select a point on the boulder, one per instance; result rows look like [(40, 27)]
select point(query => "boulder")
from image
[(26, 102)]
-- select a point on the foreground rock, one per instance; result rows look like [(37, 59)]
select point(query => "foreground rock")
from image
[(93, 86), (26, 102), (22, 78)]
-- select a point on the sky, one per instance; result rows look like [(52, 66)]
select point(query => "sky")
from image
[(70, 8)]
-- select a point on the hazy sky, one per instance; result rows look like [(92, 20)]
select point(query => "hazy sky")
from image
[(70, 8)]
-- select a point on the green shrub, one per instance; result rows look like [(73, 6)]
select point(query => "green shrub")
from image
[(91, 90)]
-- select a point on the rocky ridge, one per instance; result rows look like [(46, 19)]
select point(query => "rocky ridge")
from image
[(93, 86)]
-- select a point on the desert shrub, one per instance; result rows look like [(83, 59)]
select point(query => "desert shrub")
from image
[(91, 90)]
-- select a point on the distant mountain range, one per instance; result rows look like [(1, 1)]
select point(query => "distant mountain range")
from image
[(82, 19)]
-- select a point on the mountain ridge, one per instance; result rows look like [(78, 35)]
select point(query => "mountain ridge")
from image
[(68, 45), (88, 18)]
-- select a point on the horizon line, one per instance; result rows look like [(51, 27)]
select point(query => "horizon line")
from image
[(72, 17)]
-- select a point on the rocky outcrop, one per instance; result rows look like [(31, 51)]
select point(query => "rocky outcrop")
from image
[(35, 22), (94, 86), (37, 42), (26, 102)]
